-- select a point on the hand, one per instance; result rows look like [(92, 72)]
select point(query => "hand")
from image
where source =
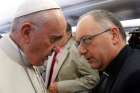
[(53, 88)]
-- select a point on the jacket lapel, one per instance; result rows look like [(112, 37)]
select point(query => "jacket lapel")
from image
[(61, 61), (64, 55)]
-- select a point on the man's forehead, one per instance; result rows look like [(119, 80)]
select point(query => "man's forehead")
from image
[(82, 30), (87, 26)]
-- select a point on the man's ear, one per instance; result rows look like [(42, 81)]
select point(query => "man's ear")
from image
[(25, 32), (115, 35)]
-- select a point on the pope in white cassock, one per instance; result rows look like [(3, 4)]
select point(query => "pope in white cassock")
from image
[(37, 27)]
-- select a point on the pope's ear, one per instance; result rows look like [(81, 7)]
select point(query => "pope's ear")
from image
[(25, 31)]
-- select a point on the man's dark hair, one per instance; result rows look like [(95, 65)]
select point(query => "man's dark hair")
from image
[(69, 28)]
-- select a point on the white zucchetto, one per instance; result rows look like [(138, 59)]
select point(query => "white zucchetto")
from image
[(32, 6)]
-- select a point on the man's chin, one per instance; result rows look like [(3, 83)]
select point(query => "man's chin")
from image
[(94, 66)]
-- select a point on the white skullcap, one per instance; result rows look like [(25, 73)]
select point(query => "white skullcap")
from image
[(31, 6)]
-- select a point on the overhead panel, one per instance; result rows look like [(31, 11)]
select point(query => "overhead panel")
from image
[(124, 9)]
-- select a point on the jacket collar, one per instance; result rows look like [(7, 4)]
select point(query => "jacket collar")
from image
[(114, 68), (65, 52)]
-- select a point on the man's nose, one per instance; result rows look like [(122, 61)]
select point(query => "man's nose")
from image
[(82, 49)]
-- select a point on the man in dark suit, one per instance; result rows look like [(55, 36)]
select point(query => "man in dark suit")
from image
[(102, 40)]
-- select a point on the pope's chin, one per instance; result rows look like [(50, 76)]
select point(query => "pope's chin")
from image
[(38, 62)]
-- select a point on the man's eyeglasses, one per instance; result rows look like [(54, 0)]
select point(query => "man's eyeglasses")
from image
[(85, 40)]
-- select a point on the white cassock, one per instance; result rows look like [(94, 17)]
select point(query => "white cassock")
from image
[(17, 76)]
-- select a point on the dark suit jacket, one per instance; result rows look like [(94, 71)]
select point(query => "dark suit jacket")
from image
[(123, 74)]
